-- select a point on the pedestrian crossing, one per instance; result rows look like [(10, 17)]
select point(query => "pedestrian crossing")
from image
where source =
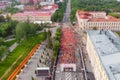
[(68, 76)]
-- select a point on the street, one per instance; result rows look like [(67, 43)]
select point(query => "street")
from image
[(87, 68), (83, 65), (78, 75), (66, 17)]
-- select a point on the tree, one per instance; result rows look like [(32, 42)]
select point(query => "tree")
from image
[(56, 46), (2, 19), (32, 78), (3, 51), (39, 6), (1, 41), (40, 60), (94, 28), (45, 35), (49, 40), (58, 15), (21, 31), (7, 17)]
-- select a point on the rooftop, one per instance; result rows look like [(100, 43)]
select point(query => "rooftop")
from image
[(33, 13), (107, 45), (49, 7), (89, 15)]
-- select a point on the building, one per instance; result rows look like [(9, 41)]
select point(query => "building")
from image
[(20, 7), (103, 48), (24, 1), (4, 4), (37, 16), (43, 73), (5, 15), (67, 59), (44, 2), (30, 7), (33, 16), (49, 8), (89, 20), (29, 1)]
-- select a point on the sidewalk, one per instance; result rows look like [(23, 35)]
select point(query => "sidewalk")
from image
[(12, 47)]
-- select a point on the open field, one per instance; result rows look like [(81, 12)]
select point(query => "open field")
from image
[(21, 50)]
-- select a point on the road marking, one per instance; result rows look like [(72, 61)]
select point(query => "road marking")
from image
[(68, 76)]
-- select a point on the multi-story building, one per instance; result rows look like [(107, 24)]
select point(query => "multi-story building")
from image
[(30, 7), (24, 1), (49, 8), (89, 20), (4, 4), (103, 48), (30, 1), (33, 16), (43, 15)]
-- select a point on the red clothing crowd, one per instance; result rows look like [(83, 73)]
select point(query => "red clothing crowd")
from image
[(67, 46)]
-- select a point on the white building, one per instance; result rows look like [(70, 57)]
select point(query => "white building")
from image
[(89, 20), (103, 48), (44, 2), (20, 7)]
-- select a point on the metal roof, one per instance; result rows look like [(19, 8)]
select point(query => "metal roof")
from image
[(107, 45)]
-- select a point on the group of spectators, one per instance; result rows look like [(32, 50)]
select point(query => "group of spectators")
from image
[(67, 46)]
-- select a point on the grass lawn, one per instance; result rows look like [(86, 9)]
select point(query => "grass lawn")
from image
[(22, 49)]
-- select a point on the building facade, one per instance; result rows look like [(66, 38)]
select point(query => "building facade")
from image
[(43, 15), (4, 4), (24, 1), (34, 17), (103, 48), (89, 20)]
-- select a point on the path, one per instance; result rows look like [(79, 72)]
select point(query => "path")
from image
[(10, 39), (12, 47)]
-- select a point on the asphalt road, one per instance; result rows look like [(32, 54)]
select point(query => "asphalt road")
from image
[(66, 17)]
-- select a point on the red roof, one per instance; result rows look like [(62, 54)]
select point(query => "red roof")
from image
[(88, 15), (49, 7), (33, 13), (104, 20)]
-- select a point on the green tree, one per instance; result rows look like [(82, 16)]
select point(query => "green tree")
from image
[(49, 40), (56, 45), (8, 18), (33, 28), (3, 51), (94, 28), (2, 19), (45, 35), (58, 15), (22, 30), (1, 41)]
